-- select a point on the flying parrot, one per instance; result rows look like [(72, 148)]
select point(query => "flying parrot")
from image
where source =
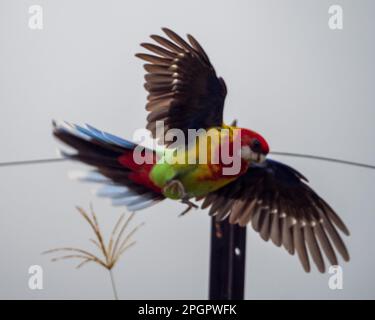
[(185, 93)]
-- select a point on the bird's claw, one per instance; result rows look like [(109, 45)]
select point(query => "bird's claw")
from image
[(176, 188), (189, 207)]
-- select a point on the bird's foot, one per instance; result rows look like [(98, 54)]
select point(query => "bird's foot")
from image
[(189, 207), (174, 189)]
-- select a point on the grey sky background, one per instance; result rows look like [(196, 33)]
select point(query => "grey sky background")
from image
[(305, 87)]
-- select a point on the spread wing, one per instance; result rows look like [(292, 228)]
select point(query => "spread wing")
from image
[(184, 90), (281, 206)]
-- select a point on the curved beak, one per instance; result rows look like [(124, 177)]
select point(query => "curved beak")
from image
[(261, 158)]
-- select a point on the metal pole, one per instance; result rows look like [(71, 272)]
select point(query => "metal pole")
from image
[(227, 261)]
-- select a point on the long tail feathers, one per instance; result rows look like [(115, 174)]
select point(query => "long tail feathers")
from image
[(124, 182)]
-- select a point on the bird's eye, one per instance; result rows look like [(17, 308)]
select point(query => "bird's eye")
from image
[(256, 145)]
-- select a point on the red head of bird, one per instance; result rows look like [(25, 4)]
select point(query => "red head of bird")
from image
[(254, 147)]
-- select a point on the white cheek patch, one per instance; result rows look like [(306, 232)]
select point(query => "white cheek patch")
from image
[(246, 153)]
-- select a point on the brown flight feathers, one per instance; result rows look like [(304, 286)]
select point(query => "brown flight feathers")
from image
[(184, 90), (288, 212)]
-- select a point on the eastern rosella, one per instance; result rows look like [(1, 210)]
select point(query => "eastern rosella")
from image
[(185, 93)]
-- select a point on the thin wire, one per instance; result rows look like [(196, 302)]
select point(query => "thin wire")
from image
[(310, 156), (27, 162), (278, 153)]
